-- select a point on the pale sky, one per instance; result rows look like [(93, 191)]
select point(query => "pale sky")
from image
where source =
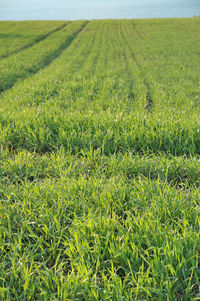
[(94, 9)]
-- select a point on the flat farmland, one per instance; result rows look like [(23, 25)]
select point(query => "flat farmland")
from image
[(100, 160)]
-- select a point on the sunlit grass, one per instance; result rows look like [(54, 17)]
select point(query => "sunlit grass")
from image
[(100, 170)]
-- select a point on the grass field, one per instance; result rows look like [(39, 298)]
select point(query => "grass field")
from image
[(99, 153)]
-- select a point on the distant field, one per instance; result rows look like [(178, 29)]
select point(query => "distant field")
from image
[(100, 166)]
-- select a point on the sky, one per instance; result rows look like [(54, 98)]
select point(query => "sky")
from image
[(95, 9)]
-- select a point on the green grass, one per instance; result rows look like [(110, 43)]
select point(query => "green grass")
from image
[(17, 36), (100, 169), (25, 63)]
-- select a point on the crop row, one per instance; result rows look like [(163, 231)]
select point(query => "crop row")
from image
[(94, 204), (17, 36), (29, 61), (102, 84), (98, 237), (23, 166), (168, 60)]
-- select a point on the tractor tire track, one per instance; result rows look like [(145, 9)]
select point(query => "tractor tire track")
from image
[(149, 99), (131, 95), (31, 44), (64, 46), (45, 62)]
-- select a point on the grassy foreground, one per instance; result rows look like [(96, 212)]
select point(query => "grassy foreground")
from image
[(99, 153)]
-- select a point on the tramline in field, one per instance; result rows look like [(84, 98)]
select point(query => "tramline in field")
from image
[(99, 174)]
